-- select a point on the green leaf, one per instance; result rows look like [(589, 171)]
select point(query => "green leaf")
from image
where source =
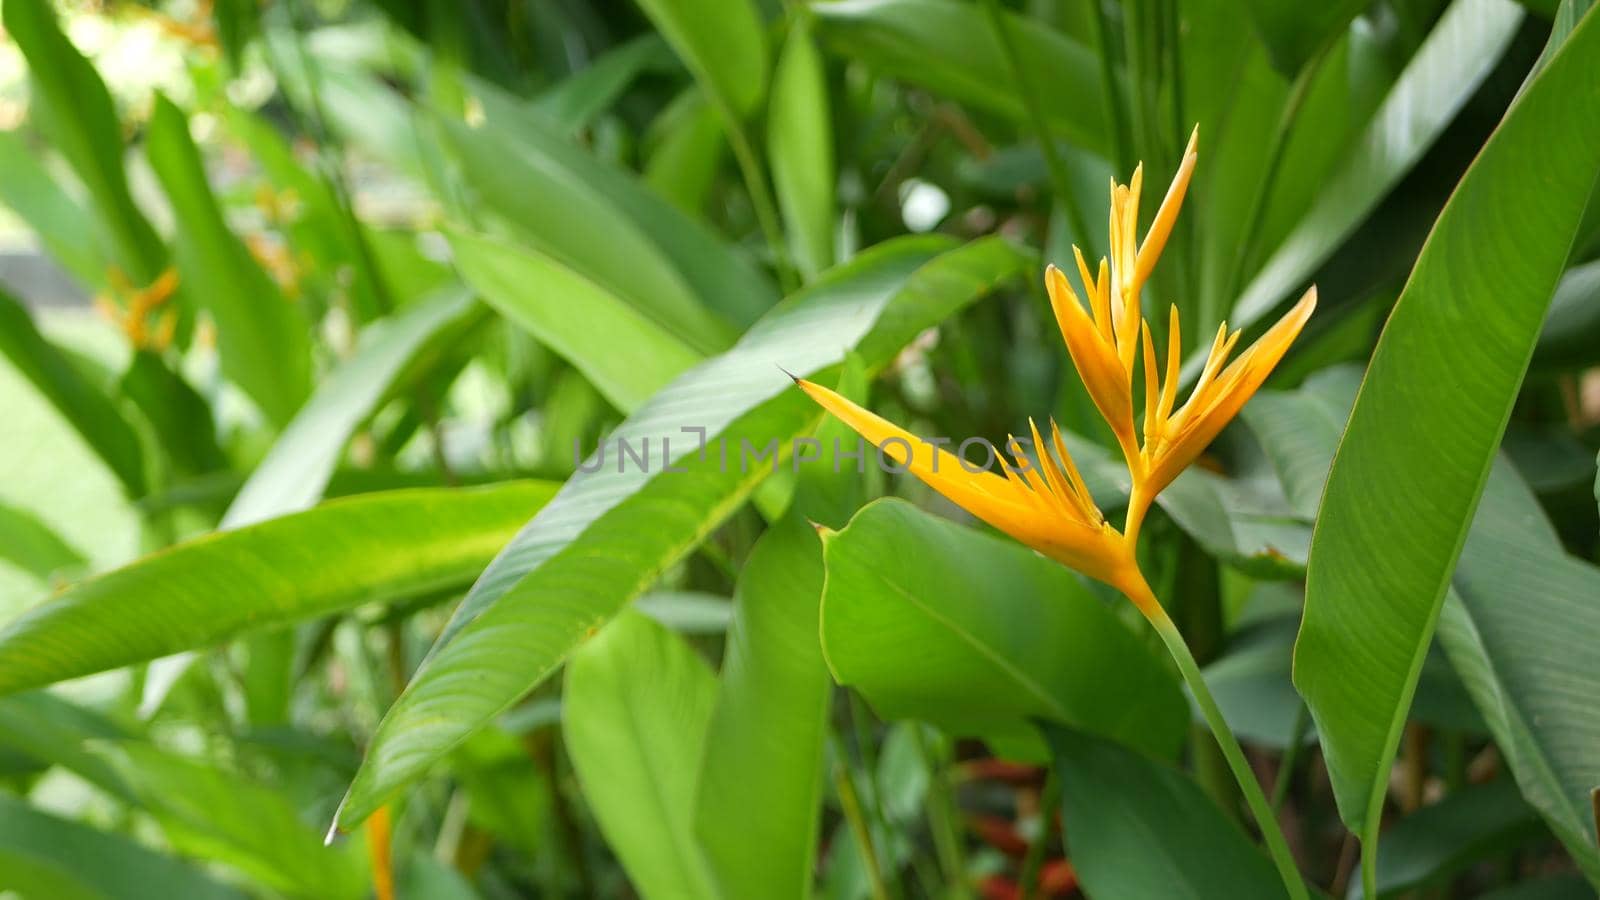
[(296, 470), (1393, 519), (686, 147), (30, 545), (74, 108), (1520, 626), (625, 355), (392, 546), (1446, 70), (1294, 32), (1140, 829), (765, 739), (1299, 431), (579, 98), (949, 48), (88, 409), (611, 531), (1468, 826), (566, 219), (256, 828), (719, 276), (724, 44), (49, 731), (635, 705), (1571, 336), (768, 729), (800, 145), (42, 855), (59, 221), (933, 621), (262, 338)]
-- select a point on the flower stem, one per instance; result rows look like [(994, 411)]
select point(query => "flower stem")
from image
[(1231, 751)]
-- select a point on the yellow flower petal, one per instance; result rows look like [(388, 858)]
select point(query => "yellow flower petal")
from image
[(1155, 240), (1007, 503), (1227, 394), (1095, 359)]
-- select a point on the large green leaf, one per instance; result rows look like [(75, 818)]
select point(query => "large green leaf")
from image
[(949, 48), (800, 145), (42, 856), (74, 108), (256, 828), (720, 276), (1500, 634), (1446, 70), (933, 621), (611, 531), (624, 355), (1294, 32), (635, 706), (1520, 626), (1425, 427), (83, 405), (45, 730), (1465, 827), (1139, 829), (722, 42), (566, 219), (262, 339), (1299, 431), (768, 728), (296, 470), (375, 547)]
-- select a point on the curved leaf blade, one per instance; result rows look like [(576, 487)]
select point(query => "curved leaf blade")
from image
[(295, 472), (610, 532), (722, 42), (933, 621), (90, 410), (388, 546), (1393, 520), (1457, 56), (262, 338), (42, 855), (623, 354), (949, 48), (635, 705), (800, 144), (1140, 830)]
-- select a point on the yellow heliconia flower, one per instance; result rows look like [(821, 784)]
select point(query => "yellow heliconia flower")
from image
[(1051, 512), (133, 314), (1046, 505)]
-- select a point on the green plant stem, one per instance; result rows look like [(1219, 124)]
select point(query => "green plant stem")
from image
[(1291, 756), (1145, 599), (1033, 863), (850, 805), (1060, 181), (1269, 176), (942, 817), (750, 169)]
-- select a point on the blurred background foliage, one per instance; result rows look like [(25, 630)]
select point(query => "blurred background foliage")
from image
[(418, 259)]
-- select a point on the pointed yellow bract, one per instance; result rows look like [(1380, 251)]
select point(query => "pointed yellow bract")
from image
[(1044, 503), (1051, 512)]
